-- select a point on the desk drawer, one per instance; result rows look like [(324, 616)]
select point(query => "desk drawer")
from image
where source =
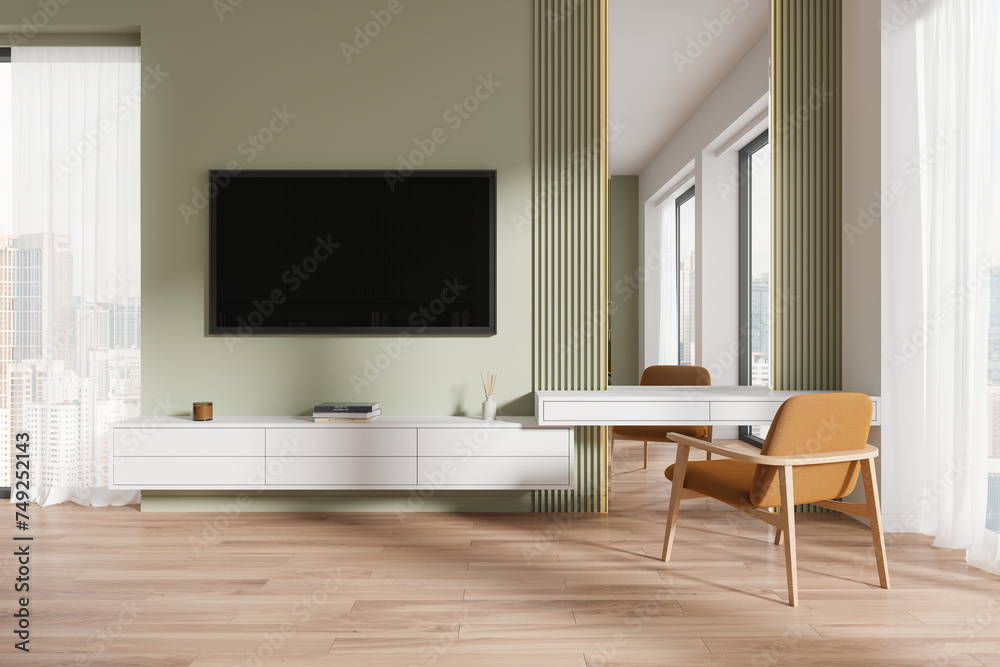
[(208, 441), (338, 441), (745, 411), (626, 412)]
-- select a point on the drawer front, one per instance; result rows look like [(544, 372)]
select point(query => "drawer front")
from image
[(341, 471), (178, 471), (466, 442), (338, 441), (626, 412), (745, 411), (500, 471), (211, 441)]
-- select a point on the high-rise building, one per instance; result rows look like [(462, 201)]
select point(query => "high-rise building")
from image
[(760, 316), (993, 345), (36, 297), (687, 305), (126, 332)]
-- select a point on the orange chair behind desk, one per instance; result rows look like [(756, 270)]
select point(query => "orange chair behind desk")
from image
[(814, 450), (666, 376)]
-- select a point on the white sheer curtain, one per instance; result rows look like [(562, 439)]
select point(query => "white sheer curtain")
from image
[(669, 307), (940, 230), (75, 239)]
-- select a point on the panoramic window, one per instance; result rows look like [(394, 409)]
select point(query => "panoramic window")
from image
[(686, 304), (755, 268), (6, 215)]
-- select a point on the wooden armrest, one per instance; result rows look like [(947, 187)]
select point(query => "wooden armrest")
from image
[(740, 453)]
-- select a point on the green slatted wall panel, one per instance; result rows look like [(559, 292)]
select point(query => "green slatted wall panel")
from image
[(569, 227), (806, 194)]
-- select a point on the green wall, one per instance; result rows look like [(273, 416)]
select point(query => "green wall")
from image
[(224, 78), (223, 74), (624, 276)]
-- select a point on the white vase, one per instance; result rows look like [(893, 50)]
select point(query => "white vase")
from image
[(489, 409)]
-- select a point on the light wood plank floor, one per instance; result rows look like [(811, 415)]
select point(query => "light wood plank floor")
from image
[(116, 587)]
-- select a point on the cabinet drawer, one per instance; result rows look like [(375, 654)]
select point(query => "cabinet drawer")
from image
[(341, 471), (209, 441), (496, 471), (745, 411), (176, 471), (462, 442), (338, 441), (626, 412)]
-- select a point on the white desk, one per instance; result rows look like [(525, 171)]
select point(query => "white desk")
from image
[(653, 406)]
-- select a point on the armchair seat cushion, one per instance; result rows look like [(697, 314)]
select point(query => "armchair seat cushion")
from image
[(660, 432), (727, 480), (733, 482)]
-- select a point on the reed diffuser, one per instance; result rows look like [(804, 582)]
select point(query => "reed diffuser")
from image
[(489, 406)]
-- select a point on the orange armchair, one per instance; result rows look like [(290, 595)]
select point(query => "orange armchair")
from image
[(666, 376), (814, 450)]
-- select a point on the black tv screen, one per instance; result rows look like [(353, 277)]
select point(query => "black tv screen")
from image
[(352, 252)]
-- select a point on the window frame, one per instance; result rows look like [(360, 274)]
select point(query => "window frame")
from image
[(745, 267), (5, 58), (679, 201)]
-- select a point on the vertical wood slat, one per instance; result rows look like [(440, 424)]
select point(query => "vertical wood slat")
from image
[(569, 192), (806, 194)]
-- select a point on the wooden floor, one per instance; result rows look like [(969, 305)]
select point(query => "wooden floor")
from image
[(116, 587)]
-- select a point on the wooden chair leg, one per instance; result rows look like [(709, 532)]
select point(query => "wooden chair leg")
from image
[(645, 454), (875, 519), (680, 468), (788, 523), (611, 452), (777, 531)]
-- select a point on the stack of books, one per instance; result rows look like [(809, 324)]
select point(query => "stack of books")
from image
[(356, 411)]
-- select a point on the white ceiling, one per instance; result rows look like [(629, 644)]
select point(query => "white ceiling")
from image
[(649, 90)]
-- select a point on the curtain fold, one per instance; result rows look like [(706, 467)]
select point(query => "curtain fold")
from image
[(74, 239), (940, 107)]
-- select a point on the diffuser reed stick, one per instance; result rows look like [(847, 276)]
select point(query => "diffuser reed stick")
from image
[(489, 382)]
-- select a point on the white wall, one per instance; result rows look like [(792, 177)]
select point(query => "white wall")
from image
[(707, 147), (861, 184)]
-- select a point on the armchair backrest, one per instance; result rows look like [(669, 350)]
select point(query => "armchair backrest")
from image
[(812, 424), (676, 376)]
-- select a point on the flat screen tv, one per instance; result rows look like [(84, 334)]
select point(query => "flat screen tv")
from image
[(352, 252)]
